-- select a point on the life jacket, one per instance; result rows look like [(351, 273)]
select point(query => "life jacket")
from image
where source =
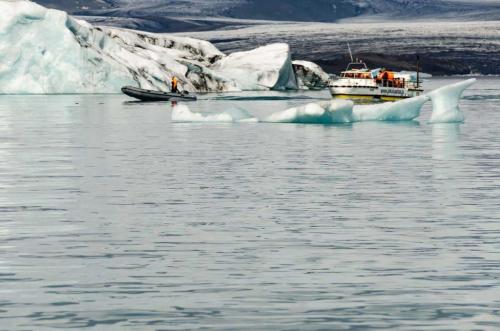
[(174, 83)]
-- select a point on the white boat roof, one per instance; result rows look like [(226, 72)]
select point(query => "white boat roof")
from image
[(357, 70)]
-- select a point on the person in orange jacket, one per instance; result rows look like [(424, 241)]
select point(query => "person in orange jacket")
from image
[(174, 84)]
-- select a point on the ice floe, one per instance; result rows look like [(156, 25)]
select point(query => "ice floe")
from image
[(329, 112), (445, 109), (445, 102), (403, 110), (342, 111), (182, 113)]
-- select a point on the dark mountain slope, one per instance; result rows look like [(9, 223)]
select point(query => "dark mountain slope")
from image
[(157, 15)]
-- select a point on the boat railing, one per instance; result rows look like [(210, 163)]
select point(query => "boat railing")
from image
[(399, 83), (395, 83)]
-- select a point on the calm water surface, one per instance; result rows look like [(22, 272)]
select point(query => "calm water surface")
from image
[(114, 218)]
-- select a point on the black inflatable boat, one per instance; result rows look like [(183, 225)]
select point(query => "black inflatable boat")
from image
[(149, 95)]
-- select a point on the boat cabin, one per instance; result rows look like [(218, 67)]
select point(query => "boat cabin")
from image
[(357, 70)]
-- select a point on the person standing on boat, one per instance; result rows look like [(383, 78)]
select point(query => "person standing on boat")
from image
[(383, 77), (174, 84)]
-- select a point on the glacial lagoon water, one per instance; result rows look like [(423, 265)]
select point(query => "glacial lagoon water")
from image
[(112, 217)]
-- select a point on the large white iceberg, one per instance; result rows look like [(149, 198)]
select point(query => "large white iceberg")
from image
[(40, 54), (445, 108), (48, 51)]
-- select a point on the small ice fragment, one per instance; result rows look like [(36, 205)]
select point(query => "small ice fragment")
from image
[(331, 112), (182, 113)]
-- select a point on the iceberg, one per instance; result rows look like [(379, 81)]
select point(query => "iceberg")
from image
[(343, 111), (253, 73), (331, 112), (40, 54), (182, 113), (403, 110), (48, 51), (445, 108), (310, 76)]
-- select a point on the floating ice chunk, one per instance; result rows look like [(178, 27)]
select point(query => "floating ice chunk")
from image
[(445, 101), (310, 75), (266, 67), (403, 110), (182, 113), (342, 111), (335, 111)]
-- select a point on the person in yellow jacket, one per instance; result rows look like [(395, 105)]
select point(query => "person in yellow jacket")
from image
[(175, 82)]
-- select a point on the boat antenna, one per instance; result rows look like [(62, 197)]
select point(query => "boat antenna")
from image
[(418, 71), (350, 52)]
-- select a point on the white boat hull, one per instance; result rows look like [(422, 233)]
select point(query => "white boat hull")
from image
[(380, 93)]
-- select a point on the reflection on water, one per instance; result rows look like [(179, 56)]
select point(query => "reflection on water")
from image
[(448, 164), (114, 218), (446, 141)]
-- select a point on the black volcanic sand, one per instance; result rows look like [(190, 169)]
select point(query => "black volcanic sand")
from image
[(443, 63), (441, 52)]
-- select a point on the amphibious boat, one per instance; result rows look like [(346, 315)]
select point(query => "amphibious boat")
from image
[(360, 82)]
